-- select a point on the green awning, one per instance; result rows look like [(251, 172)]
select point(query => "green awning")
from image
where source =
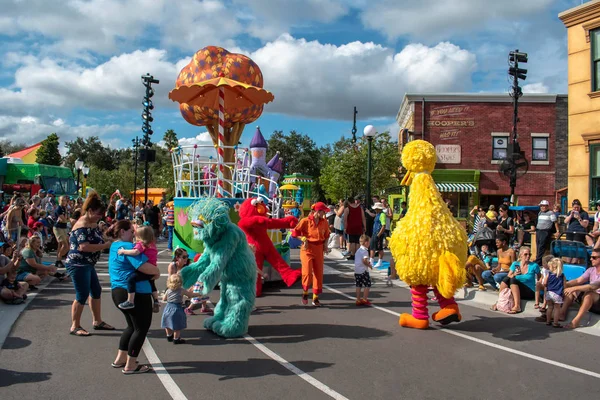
[(456, 187)]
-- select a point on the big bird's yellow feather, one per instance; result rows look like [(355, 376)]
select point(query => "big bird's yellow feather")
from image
[(428, 244)]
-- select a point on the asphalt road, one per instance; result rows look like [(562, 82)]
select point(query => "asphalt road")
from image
[(293, 351)]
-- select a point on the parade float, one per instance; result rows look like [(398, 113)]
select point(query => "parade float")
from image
[(223, 92)]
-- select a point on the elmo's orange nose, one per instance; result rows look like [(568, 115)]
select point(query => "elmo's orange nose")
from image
[(261, 209)]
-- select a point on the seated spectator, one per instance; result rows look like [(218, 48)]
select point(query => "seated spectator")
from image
[(526, 229), (31, 269), (475, 266), (585, 290), (521, 279), (539, 286), (593, 235), (8, 270), (506, 257)]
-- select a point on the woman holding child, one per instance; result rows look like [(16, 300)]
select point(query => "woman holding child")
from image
[(138, 318)]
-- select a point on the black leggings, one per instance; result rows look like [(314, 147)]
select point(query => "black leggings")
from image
[(524, 290), (138, 321)]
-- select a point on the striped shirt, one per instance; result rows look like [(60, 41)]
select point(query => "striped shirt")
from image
[(170, 216)]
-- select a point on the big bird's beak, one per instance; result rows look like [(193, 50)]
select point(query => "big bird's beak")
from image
[(407, 180)]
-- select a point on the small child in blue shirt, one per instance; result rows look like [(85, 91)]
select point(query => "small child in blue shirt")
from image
[(554, 282)]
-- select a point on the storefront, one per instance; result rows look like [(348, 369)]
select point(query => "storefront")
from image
[(472, 133)]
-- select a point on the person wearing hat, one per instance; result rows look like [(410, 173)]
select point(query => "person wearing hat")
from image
[(378, 234), (543, 230), (314, 232)]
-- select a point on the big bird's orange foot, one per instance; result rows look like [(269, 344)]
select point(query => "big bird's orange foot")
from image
[(447, 315), (408, 321)]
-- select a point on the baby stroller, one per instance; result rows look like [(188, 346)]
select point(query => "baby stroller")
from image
[(485, 236)]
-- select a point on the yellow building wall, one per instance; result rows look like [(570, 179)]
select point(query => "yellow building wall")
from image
[(584, 111)]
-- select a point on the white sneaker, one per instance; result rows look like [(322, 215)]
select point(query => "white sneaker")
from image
[(379, 264)]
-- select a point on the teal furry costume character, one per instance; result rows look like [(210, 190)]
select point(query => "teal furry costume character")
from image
[(226, 258)]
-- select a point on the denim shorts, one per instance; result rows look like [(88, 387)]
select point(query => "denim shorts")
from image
[(21, 276), (85, 280)]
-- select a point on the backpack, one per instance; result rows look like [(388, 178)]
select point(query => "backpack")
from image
[(505, 301)]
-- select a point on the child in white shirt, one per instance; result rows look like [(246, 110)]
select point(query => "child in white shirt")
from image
[(361, 271)]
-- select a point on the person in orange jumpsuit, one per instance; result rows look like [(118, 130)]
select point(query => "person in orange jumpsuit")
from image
[(314, 231)]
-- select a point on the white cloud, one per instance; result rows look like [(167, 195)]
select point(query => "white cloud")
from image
[(114, 85), (311, 79), (435, 20), (536, 88)]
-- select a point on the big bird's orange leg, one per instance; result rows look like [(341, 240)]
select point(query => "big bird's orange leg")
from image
[(449, 310), (419, 319)]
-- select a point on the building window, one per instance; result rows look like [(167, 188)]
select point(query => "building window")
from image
[(499, 147), (595, 47), (595, 172), (540, 149)]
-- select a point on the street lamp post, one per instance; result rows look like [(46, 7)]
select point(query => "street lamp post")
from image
[(369, 133), (86, 172), (78, 167)]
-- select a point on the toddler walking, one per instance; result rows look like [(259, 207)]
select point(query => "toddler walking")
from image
[(361, 272), (146, 245), (173, 318), (554, 283)]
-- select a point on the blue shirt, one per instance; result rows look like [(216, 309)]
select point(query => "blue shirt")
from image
[(377, 225), (556, 284), (120, 267), (529, 278)]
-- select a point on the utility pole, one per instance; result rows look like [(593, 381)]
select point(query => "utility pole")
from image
[(514, 150), (136, 143)]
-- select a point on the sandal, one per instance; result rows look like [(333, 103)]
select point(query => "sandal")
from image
[(79, 331), (515, 311), (536, 305), (557, 326), (120, 365), (140, 369), (103, 326), (571, 326), (494, 307), (482, 288), (541, 319)]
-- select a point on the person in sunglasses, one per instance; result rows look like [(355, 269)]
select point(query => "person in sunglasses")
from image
[(585, 290)]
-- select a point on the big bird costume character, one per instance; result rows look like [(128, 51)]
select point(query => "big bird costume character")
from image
[(428, 244)]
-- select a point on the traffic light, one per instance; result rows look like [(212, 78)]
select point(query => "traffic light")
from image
[(515, 58)]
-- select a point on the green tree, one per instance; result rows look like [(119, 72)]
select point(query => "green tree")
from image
[(170, 139), (48, 152), (344, 172), (93, 153)]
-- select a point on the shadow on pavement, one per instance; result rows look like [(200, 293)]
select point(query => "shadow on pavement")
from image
[(8, 377), (14, 343), (507, 328), (252, 368), (304, 332)]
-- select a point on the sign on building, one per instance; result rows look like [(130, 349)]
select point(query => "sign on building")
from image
[(448, 153)]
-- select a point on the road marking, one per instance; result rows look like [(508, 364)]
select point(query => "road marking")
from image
[(106, 262), (485, 343), (297, 371), (162, 251), (162, 373), (107, 274)]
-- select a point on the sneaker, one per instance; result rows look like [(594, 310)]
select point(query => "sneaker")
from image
[(59, 264), (350, 258), (179, 341), (169, 338), (189, 312), (316, 303), (205, 310), (365, 302), (33, 288), (59, 276), (305, 299), (17, 300), (359, 303), (156, 307), (378, 265), (24, 297), (126, 305)]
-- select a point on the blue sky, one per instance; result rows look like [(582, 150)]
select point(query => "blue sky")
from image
[(73, 66)]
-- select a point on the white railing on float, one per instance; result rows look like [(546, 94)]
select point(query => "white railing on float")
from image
[(194, 177)]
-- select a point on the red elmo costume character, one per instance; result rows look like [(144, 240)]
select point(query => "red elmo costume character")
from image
[(255, 223)]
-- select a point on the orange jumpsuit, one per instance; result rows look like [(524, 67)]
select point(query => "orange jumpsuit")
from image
[(312, 251)]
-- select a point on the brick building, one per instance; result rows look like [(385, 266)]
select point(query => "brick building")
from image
[(471, 133)]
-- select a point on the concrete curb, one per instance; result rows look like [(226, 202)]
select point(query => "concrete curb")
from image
[(485, 300)]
